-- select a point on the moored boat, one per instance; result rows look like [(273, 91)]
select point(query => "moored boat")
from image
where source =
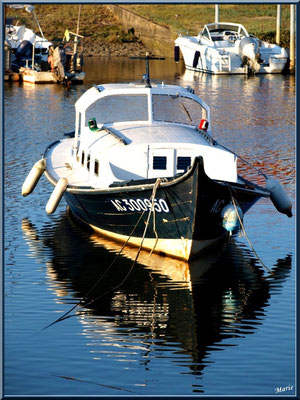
[(227, 48), (37, 60), (64, 63), (142, 167)]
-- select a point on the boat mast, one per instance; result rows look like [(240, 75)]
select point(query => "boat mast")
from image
[(76, 41), (147, 58)]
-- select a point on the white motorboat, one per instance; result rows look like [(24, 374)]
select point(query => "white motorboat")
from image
[(20, 39), (227, 48), (142, 167), (64, 63), (16, 34)]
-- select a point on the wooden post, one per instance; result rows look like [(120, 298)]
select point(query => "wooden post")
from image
[(292, 37), (217, 13), (278, 23)]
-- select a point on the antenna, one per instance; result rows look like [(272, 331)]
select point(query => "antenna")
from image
[(147, 58)]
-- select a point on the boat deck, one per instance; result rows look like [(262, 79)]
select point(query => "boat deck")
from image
[(59, 164)]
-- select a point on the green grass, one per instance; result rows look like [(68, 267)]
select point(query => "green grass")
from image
[(258, 19), (98, 25)]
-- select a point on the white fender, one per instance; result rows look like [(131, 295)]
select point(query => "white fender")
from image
[(33, 177), (279, 198), (56, 195)]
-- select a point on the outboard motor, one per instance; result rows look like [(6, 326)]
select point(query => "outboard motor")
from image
[(249, 52), (24, 51), (59, 56)]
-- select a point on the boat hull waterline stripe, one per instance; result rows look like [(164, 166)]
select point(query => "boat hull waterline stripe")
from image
[(180, 248)]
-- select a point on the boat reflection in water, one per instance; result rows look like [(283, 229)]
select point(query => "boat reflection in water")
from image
[(193, 308)]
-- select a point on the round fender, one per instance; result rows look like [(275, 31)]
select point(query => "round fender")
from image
[(279, 197), (56, 195), (231, 217), (33, 177)]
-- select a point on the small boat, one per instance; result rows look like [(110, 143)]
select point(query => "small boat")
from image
[(143, 168), (64, 63), (227, 48), (18, 34), (39, 61), (21, 45), (20, 41)]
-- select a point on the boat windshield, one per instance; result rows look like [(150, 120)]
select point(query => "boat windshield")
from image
[(177, 109), (226, 28), (222, 27), (118, 108)]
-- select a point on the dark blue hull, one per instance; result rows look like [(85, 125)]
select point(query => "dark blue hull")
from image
[(187, 217)]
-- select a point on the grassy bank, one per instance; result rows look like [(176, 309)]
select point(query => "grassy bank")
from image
[(105, 35), (258, 19)]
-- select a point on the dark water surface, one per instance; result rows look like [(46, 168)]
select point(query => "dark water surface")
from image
[(221, 325)]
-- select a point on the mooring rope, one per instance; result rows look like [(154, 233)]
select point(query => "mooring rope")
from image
[(152, 209), (241, 158), (245, 233), (157, 183), (139, 249)]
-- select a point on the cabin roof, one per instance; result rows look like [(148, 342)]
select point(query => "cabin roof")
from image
[(98, 91), (141, 134)]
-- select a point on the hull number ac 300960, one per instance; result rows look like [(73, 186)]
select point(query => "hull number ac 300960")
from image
[(125, 205)]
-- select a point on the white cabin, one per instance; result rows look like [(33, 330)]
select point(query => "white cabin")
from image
[(127, 132)]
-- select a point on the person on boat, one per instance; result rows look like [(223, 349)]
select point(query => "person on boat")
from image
[(59, 61), (51, 58)]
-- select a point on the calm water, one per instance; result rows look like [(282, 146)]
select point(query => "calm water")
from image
[(221, 325)]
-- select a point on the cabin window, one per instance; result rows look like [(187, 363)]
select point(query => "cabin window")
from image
[(159, 162), (118, 108), (96, 167), (88, 161), (183, 163), (177, 109), (82, 157)]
